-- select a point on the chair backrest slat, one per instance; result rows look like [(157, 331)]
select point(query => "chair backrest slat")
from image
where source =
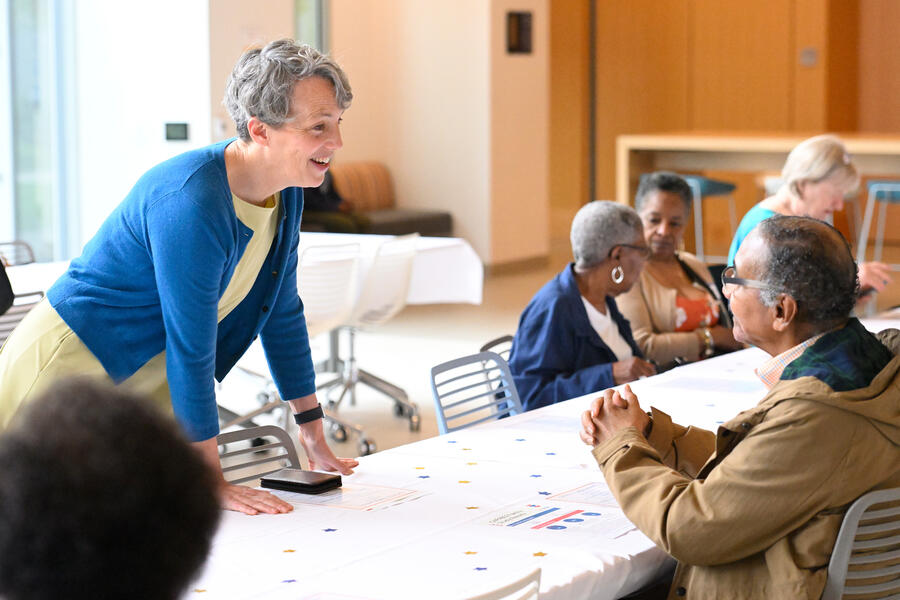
[(474, 384), (282, 441), (878, 547)]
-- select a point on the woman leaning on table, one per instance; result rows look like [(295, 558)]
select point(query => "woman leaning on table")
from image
[(817, 175), (675, 309), (199, 259), (572, 340)]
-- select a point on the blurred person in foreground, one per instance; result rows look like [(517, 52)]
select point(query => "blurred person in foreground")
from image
[(817, 175), (675, 308), (571, 339), (100, 497), (753, 510), (197, 261)]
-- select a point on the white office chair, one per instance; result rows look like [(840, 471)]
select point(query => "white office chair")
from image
[(327, 282), (277, 447), (864, 546), (383, 296), (526, 588), (471, 390)]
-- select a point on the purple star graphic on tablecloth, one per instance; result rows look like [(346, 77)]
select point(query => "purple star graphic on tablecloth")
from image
[(544, 493), (288, 581), (537, 475), (481, 568), (451, 441), (551, 453), (424, 476), (520, 439), (329, 530)]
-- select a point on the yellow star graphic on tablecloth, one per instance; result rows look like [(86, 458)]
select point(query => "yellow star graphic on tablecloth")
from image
[(470, 552), (289, 550), (199, 591), (539, 554), (464, 481), (420, 467), (466, 448), (471, 508), (470, 464)]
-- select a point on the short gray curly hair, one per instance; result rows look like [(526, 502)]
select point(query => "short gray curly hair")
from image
[(262, 82), (810, 261), (598, 227)]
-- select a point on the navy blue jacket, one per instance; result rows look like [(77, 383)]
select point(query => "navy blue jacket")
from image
[(556, 354)]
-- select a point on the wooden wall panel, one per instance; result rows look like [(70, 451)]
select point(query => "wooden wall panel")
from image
[(741, 65), (642, 66), (569, 104), (879, 66)]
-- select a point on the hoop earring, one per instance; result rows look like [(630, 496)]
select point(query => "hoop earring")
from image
[(618, 274)]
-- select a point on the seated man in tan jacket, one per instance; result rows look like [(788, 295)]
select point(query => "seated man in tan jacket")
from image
[(753, 510)]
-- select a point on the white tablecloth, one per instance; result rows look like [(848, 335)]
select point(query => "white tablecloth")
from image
[(486, 505), (445, 270)]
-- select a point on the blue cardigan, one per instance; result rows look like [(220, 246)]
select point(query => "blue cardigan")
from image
[(151, 279), (556, 353)]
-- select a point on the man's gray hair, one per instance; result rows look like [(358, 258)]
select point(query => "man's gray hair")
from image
[(810, 261), (598, 227), (262, 82)]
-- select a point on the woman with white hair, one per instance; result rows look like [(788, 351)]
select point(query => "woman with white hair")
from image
[(572, 340), (817, 175), (197, 261)]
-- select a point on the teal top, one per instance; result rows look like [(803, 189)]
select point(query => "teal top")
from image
[(748, 223)]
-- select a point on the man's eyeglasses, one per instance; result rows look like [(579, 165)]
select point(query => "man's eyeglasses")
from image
[(728, 278), (644, 250)]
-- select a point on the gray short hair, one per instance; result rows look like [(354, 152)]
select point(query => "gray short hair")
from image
[(816, 159), (598, 227), (810, 261), (262, 82)]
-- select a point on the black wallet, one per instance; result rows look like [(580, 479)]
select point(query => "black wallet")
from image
[(298, 480)]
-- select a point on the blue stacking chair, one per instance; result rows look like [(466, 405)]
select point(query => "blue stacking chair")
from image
[(473, 389), (883, 191), (704, 186)]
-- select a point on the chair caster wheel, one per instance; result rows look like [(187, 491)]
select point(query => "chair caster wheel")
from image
[(338, 433), (399, 410), (366, 447), (414, 422)]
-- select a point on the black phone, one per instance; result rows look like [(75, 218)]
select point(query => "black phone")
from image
[(298, 480)]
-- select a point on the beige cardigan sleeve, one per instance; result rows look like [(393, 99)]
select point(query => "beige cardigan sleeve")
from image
[(650, 309)]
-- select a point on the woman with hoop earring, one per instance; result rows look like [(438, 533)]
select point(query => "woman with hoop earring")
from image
[(572, 340)]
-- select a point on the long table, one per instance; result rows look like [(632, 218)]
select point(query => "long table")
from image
[(462, 513), (445, 270)]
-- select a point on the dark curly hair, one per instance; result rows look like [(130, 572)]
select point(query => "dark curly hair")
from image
[(663, 181), (100, 497), (810, 261)]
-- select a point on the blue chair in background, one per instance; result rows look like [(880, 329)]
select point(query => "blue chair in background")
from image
[(883, 191), (701, 187)]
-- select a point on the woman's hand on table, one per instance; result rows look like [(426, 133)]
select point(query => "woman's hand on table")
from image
[(610, 413), (873, 277), (320, 456), (250, 501), (630, 369)]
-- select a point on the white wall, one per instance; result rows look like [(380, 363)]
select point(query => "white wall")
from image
[(138, 66), (420, 78)]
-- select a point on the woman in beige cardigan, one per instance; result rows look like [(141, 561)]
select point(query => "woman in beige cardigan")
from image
[(675, 309)]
